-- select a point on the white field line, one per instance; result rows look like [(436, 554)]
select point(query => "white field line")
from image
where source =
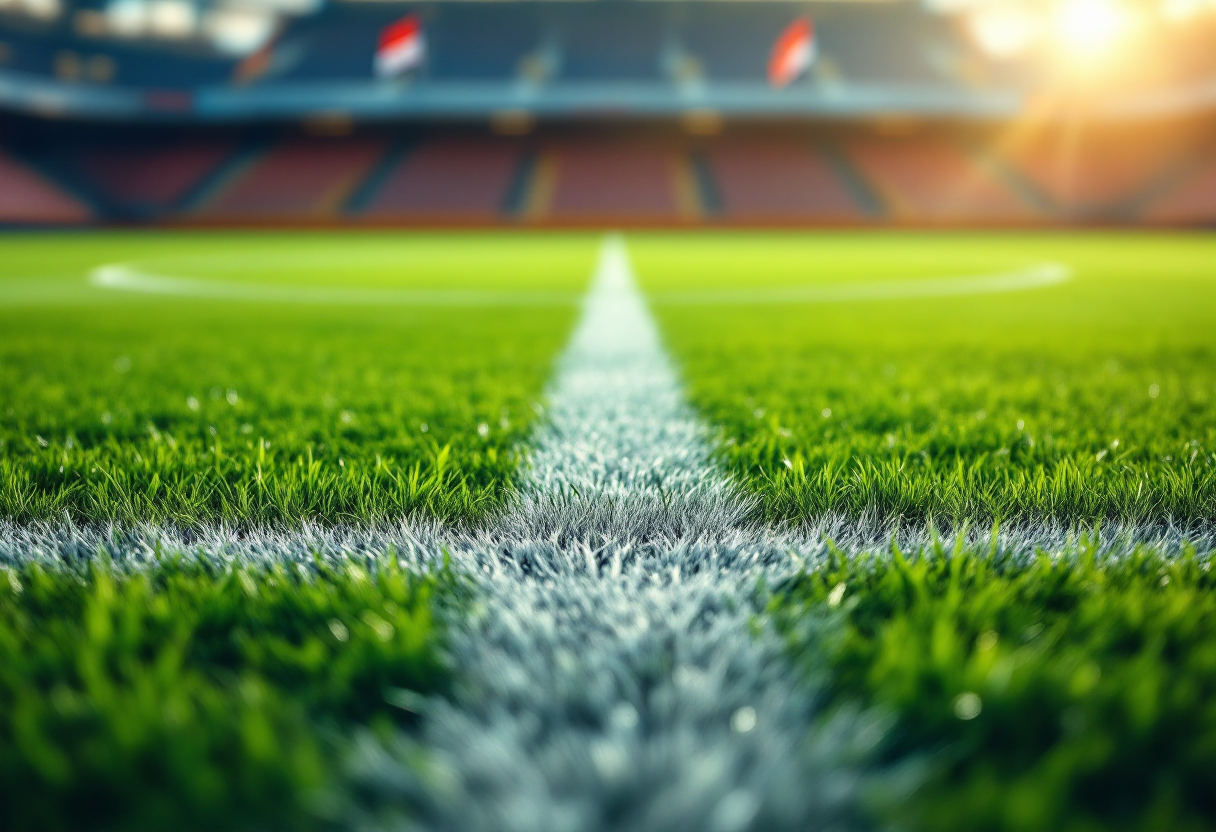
[(612, 680), (119, 276), (422, 544), (127, 278), (1040, 276)]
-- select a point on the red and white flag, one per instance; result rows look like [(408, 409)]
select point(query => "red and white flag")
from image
[(793, 53), (402, 47)]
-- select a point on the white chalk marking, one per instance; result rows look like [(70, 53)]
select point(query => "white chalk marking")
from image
[(601, 682), (1034, 277), (128, 278)]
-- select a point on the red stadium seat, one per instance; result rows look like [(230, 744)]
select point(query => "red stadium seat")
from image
[(1192, 201), (460, 179), (153, 177), (774, 180), (1095, 169), (589, 181), (296, 180), (26, 197), (925, 178)]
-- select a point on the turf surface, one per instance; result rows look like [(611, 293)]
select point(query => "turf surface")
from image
[(137, 407), (187, 697), (1094, 400), (1064, 692)]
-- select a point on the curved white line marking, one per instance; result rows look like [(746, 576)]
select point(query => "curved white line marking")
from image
[(122, 277), (1035, 277)]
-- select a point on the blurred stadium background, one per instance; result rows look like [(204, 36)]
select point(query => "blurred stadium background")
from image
[(629, 112)]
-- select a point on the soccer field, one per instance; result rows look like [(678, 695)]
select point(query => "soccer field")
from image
[(1085, 400), (185, 400), (531, 531)]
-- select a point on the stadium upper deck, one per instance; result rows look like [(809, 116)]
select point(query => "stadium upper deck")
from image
[(554, 59)]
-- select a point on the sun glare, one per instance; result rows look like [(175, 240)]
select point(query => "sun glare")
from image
[(1089, 28), (1003, 31)]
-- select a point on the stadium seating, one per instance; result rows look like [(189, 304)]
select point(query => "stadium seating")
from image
[(27, 198), (485, 42), (625, 48), (448, 180), (934, 179), (296, 179), (610, 40), (779, 181), (1095, 171), (860, 44), (152, 179), (635, 113), (590, 181), (1193, 200), (752, 176)]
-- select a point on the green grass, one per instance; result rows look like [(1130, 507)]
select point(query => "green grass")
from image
[(1069, 693), (188, 698), (141, 408), (1063, 693), (1090, 401)]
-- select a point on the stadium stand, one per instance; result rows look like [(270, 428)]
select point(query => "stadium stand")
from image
[(324, 49), (296, 179), (760, 180), (731, 42), (598, 180), (859, 44), (448, 180), (609, 40), (630, 52), (934, 179), (847, 174), (482, 43), (152, 179), (616, 112), (1095, 170), (1193, 200), (27, 198)]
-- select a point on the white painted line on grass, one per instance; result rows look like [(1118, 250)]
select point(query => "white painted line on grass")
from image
[(613, 679), (126, 278), (1035, 277)]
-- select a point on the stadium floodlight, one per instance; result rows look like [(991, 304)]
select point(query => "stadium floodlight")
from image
[(239, 31), (127, 18), (1089, 28), (1004, 31), (43, 9), (952, 7), (172, 18), (283, 7)]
